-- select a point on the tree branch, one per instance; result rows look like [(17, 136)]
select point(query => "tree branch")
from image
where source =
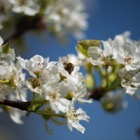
[(19, 105), (26, 23), (97, 93)]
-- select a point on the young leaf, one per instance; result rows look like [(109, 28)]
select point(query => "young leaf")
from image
[(85, 44)]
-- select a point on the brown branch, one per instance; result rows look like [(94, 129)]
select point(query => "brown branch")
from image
[(96, 93), (19, 105), (26, 23)]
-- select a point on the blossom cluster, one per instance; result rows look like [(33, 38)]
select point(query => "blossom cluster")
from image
[(113, 69), (60, 17), (58, 84), (121, 54)]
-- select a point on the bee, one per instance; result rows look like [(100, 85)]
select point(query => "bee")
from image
[(69, 67)]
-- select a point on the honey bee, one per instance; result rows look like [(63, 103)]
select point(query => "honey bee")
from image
[(69, 67)]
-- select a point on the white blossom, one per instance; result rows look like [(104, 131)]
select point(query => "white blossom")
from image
[(120, 39), (68, 65), (114, 102), (99, 56), (128, 55), (35, 65), (16, 115), (67, 16), (56, 98), (130, 80), (83, 59), (126, 51), (63, 16), (76, 82), (6, 75), (35, 85), (6, 53), (19, 83), (28, 7), (1, 41), (15, 78), (74, 116), (50, 74), (46, 74)]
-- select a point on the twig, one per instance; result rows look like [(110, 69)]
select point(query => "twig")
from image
[(96, 93), (26, 23)]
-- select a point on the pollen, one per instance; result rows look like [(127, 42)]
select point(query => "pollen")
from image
[(53, 96), (72, 115), (128, 59), (107, 60), (35, 82)]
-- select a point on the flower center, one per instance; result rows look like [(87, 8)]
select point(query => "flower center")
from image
[(128, 59), (35, 82), (128, 79), (72, 115), (107, 60), (53, 96)]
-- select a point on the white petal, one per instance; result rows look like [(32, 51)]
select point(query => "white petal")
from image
[(78, 126), (21, 61), (95, 52), (131, 90), (82, 115), (1, 41), (16, 116), (107, 48)]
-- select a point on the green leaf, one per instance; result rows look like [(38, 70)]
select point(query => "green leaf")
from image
[(6, 48), (85, 44)]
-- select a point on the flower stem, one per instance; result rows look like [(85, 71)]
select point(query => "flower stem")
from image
[(50, 114), (4, 81), (107, 77)]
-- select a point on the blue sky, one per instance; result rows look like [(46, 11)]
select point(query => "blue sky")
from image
[(107, 18)]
